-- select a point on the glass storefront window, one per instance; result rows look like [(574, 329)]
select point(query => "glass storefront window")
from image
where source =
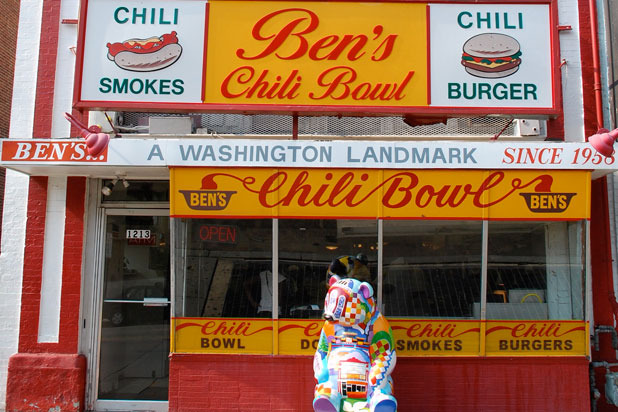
[(219, 264), (131, 191), (535, 271), (307, 247), (431, 274), (432, 269)]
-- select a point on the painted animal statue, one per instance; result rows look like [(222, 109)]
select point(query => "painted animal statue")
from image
[(355, 355)]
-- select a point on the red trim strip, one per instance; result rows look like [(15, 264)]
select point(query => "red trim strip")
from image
[(428, 20), (33, 265), (79, 52), (489, 219), (205, 51), (313, 110), (72, 265)]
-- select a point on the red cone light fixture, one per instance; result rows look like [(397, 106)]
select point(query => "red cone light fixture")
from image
[(603, 141), (96, 142)]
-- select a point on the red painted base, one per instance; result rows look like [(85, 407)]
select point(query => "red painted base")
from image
[(218, 383), (45, 382)]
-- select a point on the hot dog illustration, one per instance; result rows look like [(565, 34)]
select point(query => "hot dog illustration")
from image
[(145, 55)]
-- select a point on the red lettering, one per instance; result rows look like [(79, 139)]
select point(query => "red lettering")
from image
[(339, 84), (279, 38), (290, 26), (536, 330), (305, 190), (313, 329), (432, 331), (241, 75), (343, 75), (262, 86), (509, 156), (211, 328), (395, 187), (399, 190), (544, 155), (387, 44), (555, 159)]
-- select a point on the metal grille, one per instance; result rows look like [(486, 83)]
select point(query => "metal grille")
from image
[(325, 126)]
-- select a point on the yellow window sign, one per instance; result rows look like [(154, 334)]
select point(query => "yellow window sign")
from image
[(312, 53), (411, 337), (206, 335), (431, 338), (534, 338), (372, 193)]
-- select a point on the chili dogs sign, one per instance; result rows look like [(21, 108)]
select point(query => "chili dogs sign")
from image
[(317, 57), (356, 193)]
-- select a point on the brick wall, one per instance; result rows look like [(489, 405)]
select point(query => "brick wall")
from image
[(9, 15), (9, 300), (48, 375), (217, 383)]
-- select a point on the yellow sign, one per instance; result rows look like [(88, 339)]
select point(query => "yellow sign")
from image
[(299, 337), (206, 335), (313, 54), (432, 338), (372, 193), (537, 338), (412, 337)]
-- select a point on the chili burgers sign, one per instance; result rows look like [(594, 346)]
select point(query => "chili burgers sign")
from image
[(316, 57)]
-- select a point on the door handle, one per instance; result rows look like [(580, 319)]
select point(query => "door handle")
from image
[(156, 302)]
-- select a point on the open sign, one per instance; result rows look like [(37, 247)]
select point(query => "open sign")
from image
[(219, 233)]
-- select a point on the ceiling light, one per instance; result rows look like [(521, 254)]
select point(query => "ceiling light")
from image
[(108, 187)]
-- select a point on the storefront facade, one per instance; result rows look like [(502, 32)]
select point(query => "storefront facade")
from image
[(481, 269), (187, 273)]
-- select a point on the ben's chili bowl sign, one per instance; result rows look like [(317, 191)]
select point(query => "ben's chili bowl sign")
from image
[(472, 194), (313, 53), (318, 57)]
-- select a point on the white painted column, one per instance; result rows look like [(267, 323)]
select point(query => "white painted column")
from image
[(51, 282), (53, 249)]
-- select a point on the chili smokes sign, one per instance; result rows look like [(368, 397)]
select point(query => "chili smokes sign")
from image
[(317, 57)]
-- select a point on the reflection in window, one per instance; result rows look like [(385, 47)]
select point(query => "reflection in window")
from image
[(216, 261), (431, 268), (535, 271), (306, 248)]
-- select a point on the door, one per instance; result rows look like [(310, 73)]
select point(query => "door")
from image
[(133, 366)]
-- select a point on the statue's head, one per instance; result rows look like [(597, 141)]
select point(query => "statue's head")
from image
[(349, 301)]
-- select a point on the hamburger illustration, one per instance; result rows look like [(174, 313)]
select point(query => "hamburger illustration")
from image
[(145, 55), (491, 55)]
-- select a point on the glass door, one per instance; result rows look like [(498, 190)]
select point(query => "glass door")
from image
[(133, 367)]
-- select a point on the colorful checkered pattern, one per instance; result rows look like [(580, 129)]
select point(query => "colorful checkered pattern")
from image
[(382, 362), (355, 311)]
